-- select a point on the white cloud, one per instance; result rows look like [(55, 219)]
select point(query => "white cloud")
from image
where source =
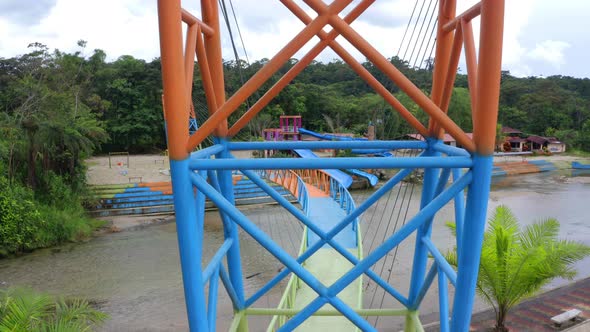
[(131, 27), (550, 51), (516, 17), (117, 27)]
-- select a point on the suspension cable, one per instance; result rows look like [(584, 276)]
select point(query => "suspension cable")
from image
[(231, 4), (414, 29), (231, 37), (432, 38), (425, 31), (407, 27)]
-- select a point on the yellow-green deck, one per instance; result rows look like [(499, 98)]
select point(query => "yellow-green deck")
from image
[(328, 266)]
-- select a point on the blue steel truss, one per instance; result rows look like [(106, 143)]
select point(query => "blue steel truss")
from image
[(212, 177)]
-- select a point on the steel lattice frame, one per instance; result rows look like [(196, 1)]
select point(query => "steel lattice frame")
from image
[(454, 32)]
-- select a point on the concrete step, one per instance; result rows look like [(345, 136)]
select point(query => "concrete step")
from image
[(157, 198), (169, 208)]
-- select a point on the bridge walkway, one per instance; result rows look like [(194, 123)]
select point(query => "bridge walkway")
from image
[(328, 265)]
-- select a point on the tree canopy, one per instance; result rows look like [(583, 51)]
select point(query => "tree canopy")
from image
[(57, 107)]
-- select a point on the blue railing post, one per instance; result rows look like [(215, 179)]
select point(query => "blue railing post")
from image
[(472, 238), (234, 261), (420, 251)]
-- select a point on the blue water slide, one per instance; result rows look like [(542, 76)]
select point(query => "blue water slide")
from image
[(329, 137), (372, 178), (384, 154), (343, 178)]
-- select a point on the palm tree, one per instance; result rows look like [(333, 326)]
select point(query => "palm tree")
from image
[(24, 310), (516, 263)]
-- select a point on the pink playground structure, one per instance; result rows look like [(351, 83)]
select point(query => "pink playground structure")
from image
[(288, 131)]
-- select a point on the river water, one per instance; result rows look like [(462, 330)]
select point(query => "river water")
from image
[(135, 275)]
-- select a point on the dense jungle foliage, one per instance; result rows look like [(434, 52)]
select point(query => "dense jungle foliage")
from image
[(58, 108)]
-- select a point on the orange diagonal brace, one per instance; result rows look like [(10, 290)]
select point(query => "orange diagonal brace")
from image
[(451, 75), (379, 88), (488, 75), (395, 75), (213, 50), (299, 66), (452, 70), (189, 61), (471, 60), (363, 72), (446, 12), (265, 73), (189, 19), (206, 75), (468, 15)]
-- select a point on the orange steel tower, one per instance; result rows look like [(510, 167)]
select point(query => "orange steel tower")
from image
[(470, 167)]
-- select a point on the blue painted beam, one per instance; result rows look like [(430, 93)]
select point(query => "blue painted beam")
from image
[(216, 259), (427, 212), (427, 282), (450, 150), (326, 238), (443, 301), (459, 211), (331, 163), (190, 240), (442, 263), (473, 230), (207, 152), (278, 252), (422, 216)]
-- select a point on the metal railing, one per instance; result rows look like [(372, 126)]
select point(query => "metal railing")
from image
[(291, 181)]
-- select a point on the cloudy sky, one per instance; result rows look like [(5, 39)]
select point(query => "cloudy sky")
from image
[(542, 37)]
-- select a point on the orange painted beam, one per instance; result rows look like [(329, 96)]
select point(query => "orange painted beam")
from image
[(299, 66), (265, 73), (173, 77), (189, 61), (355, 65), (452, 70), (203, 63), (471, 60), (444, 41), (380, 89), (403, 82), (451, 75), (189, 19), (488, 75), (467, 16), (210, 12)]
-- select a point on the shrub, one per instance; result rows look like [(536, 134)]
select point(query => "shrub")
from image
[(20, 220), (69, 224), (27, 224), (54, 191)]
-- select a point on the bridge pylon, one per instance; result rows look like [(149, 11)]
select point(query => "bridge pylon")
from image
[(452, 174)]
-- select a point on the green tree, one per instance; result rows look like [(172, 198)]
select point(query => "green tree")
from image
[(460, 109), (515, 263)]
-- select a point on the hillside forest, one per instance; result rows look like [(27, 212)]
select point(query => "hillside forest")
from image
[(58, 108)]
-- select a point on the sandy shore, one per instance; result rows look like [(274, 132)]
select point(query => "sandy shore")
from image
[(154, 167), (141, 168)]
